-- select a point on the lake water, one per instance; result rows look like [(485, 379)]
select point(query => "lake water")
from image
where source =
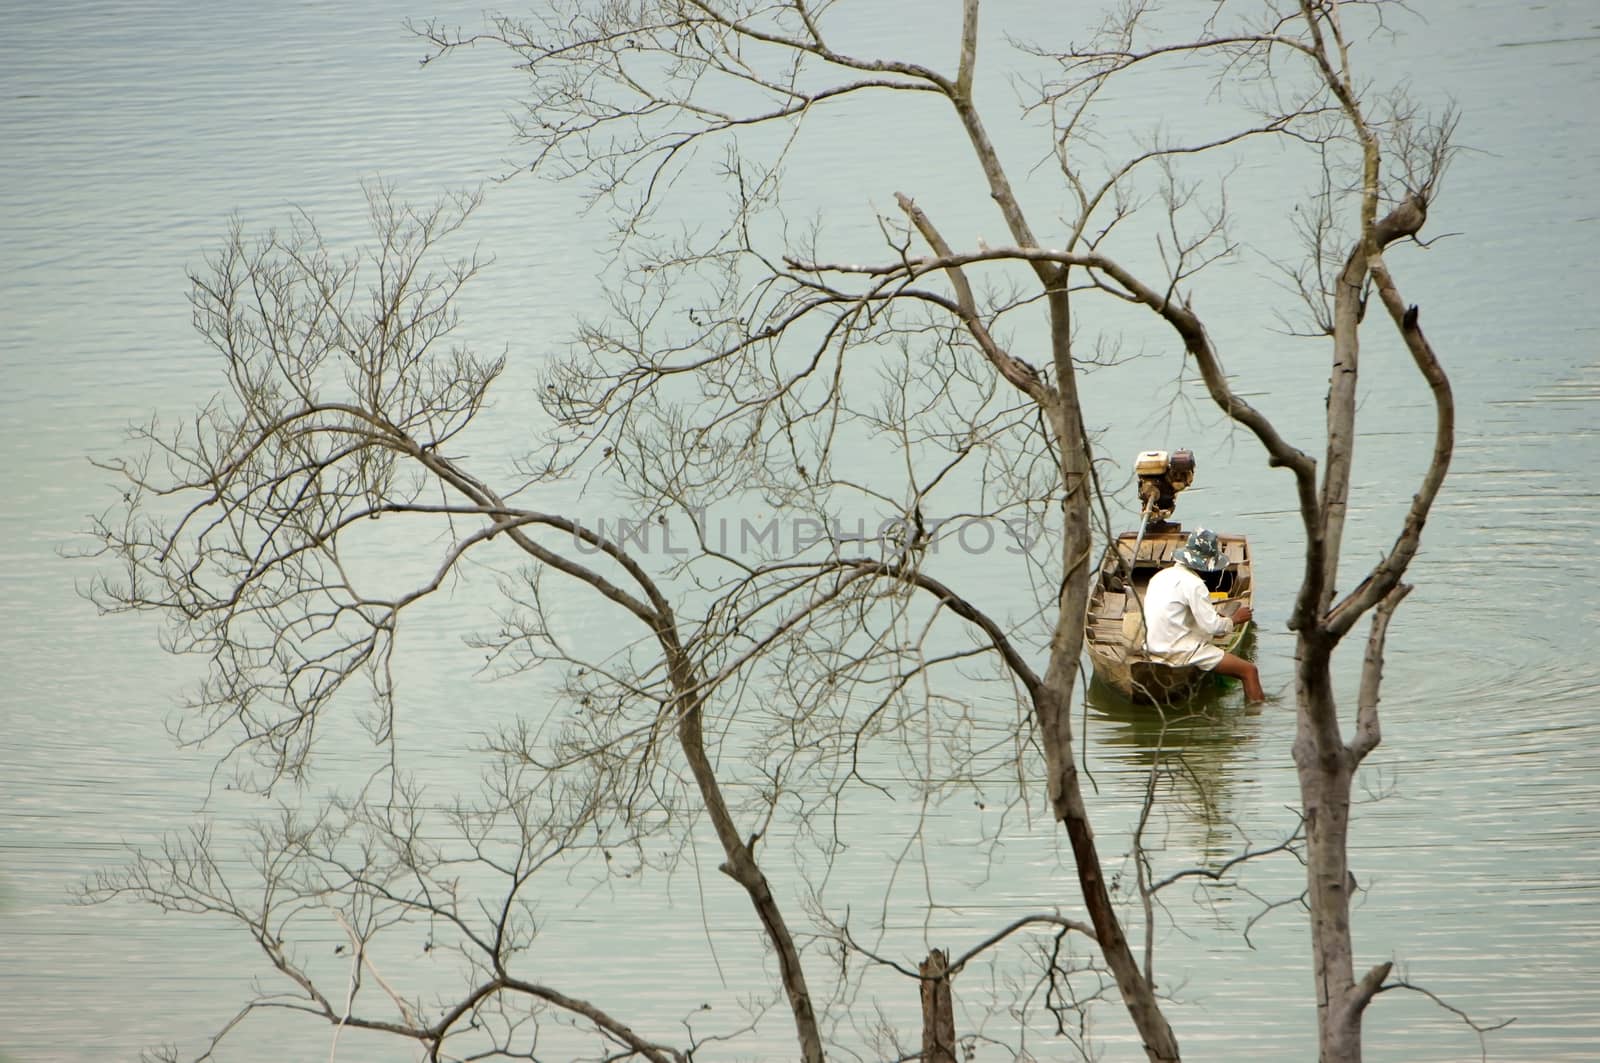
[(130, 132)]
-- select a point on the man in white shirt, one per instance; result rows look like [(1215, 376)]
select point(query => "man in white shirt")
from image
[(1180, 622)]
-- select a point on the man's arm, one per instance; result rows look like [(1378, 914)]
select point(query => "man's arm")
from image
[(1210, 621)]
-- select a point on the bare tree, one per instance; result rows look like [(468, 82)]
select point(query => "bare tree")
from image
[(737, 365)]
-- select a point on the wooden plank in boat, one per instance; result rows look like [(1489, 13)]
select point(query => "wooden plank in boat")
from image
[(1112, 607), (1106, 631), (1235, 552)]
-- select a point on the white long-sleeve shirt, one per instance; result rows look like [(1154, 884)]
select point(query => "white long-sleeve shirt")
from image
[(1179, 620)]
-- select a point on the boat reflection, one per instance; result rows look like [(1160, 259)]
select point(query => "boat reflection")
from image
[(1192, 752)]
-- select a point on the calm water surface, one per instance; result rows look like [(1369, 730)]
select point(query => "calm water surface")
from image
[(128, 134)]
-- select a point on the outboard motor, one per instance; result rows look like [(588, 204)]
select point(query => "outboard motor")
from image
[(1162, 475)]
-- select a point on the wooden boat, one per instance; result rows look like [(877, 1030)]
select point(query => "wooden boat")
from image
[(1115, 631)]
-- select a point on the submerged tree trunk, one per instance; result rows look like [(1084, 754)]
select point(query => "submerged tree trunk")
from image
[(938, 1010), (1326, 771)]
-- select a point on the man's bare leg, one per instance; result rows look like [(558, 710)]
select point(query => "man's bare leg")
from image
[(1239, 668)]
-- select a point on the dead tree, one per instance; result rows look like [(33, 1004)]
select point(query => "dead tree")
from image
[(244, 529)]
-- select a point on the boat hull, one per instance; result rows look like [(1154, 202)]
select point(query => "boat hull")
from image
[(1114, 635)]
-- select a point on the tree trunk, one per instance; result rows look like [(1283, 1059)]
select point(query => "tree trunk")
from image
[(740, 863), (1053, 700), (1138, 997), (1341, 416), (1326, 768), (938, 1010)]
